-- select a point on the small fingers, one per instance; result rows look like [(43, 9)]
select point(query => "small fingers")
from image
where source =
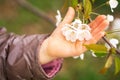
[(96, 38), (100, 27), (68, 19), (69, 16), (97, 21), (99, 36)]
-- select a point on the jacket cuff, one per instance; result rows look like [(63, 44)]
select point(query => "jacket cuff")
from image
[(52, 67), (48, 70)]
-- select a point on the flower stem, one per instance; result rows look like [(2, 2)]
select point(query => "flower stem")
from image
[(113, 31), (104, 38), (99, 6), (83, 19), (78, 14), (95, 13)]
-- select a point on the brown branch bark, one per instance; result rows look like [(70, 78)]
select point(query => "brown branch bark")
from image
[(35, 10)]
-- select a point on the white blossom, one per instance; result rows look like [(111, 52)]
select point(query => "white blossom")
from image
[(58, 18), (84, 27), (116, 23), (113, 4), (93, 54), (82, 56), (84, 35), (83, 32), (65, 28), (76, 23), (75, 57), (114, 42), (110, 18), (71, 35)]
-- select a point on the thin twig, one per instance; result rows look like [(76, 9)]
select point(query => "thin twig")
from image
[(104, 38), (35, 10)]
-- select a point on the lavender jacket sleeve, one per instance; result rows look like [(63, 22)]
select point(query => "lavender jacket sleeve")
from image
[(19, 58)]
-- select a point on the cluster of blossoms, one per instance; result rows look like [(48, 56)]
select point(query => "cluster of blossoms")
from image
[(76, 31)]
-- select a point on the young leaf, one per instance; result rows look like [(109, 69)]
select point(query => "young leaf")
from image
[(92, 1), (74, 3), (97, 47), (100, 53), (117, 65), (99, 50), (109, 62), (87, 8), (112, 50)]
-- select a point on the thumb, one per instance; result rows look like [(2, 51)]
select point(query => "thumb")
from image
[(69, 16)]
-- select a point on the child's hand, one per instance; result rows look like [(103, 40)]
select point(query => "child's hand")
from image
[(56, 46)]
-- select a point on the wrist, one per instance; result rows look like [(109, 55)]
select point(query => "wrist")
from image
[(44, 56)]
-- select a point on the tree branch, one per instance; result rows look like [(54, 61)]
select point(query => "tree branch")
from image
[(117, 50), (35, 10)]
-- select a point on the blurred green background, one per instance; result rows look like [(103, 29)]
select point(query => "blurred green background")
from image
[(21, 21)]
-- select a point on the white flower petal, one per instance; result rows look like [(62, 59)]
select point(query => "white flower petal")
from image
[(84, 35), (76, 23), (70, 35), (75, 57), (58, 18), (93, 54), (114, 42), (80, 36), (65, 28), (116, 23), (113, 4), (84, 27), (87, 34), (110, 18), (82, 56)]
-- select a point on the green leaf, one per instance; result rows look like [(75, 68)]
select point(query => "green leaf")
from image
[(92, 1), (87, 8), (109, 62), (112, 50), (100, 53), (99, 50), (96, 47), (117, 65), (74, 3)]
